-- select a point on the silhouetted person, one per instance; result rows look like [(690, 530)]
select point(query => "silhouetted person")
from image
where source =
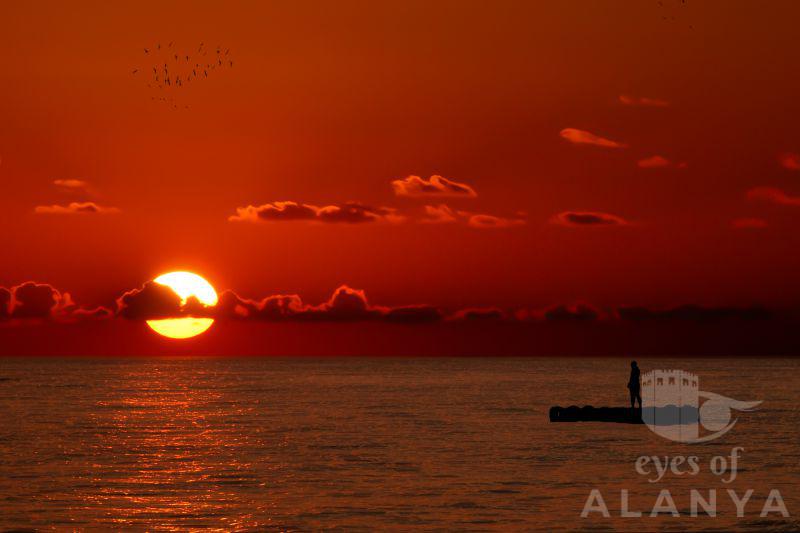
[(634, 386)]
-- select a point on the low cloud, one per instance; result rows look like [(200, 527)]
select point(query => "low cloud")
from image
[(347, 213), (75, 208), (587, 218), (97, 313), (5, 303), (38, 301), (790, 161), (151, 301), (34, 300), (346, 304), (483, 221), (692, 313), (749, 223), (41, 301), (439, 214), (414, 314), (414, 186), (577, 136), (642, 101), (478, 314), (580, 312), (442, 214), (773, 195)]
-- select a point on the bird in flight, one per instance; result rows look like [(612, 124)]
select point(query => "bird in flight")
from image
[(171, 73)]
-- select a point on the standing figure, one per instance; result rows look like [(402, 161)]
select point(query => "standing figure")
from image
[(634, 386)]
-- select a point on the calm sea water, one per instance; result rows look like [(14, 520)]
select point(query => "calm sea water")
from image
[(360, 443)]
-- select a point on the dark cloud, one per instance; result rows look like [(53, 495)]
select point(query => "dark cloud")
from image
[(345, 304), (484, 221), (155, 301), (282, 211), (278, 307), (578, 312), (152, 301), (414, 314), (98, 313), (230, 305), (34, 300), (347, 213), (416, 186), (354, 213), (75, 208), (692, 313), (5, 302), (38, 301), (479, 314), (587, 218)]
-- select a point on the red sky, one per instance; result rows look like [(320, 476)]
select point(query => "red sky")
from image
[(329, 102)]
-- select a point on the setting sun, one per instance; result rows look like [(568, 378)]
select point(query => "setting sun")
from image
[(185, 285)]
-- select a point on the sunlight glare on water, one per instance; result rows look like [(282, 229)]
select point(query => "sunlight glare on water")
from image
[(294, 444)]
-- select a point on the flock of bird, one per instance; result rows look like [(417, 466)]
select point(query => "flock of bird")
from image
[(171, 69), (670, 9)]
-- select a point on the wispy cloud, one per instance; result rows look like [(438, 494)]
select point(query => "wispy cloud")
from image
[(655, 161), (749, 223), (642, 101), (773, 195), (790, 161), (72, 184), (75, 208), (484, 221), (658, 161), (443, 214), (347, 213), (439, 214), (415, 186), (577, 136), (587, 218)]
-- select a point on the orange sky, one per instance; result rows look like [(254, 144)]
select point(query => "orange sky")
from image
[(329, 102)]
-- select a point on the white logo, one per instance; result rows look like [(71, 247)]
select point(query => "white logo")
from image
[(671, 407)]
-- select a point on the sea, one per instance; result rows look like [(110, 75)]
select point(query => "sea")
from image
[(390, 444)]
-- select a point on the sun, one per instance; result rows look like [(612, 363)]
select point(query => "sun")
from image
[(185, 284)]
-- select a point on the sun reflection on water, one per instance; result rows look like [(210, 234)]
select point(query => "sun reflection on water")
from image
[(177, 455)]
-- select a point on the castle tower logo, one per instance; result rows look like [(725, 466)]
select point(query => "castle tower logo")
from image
[(671, 407)]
